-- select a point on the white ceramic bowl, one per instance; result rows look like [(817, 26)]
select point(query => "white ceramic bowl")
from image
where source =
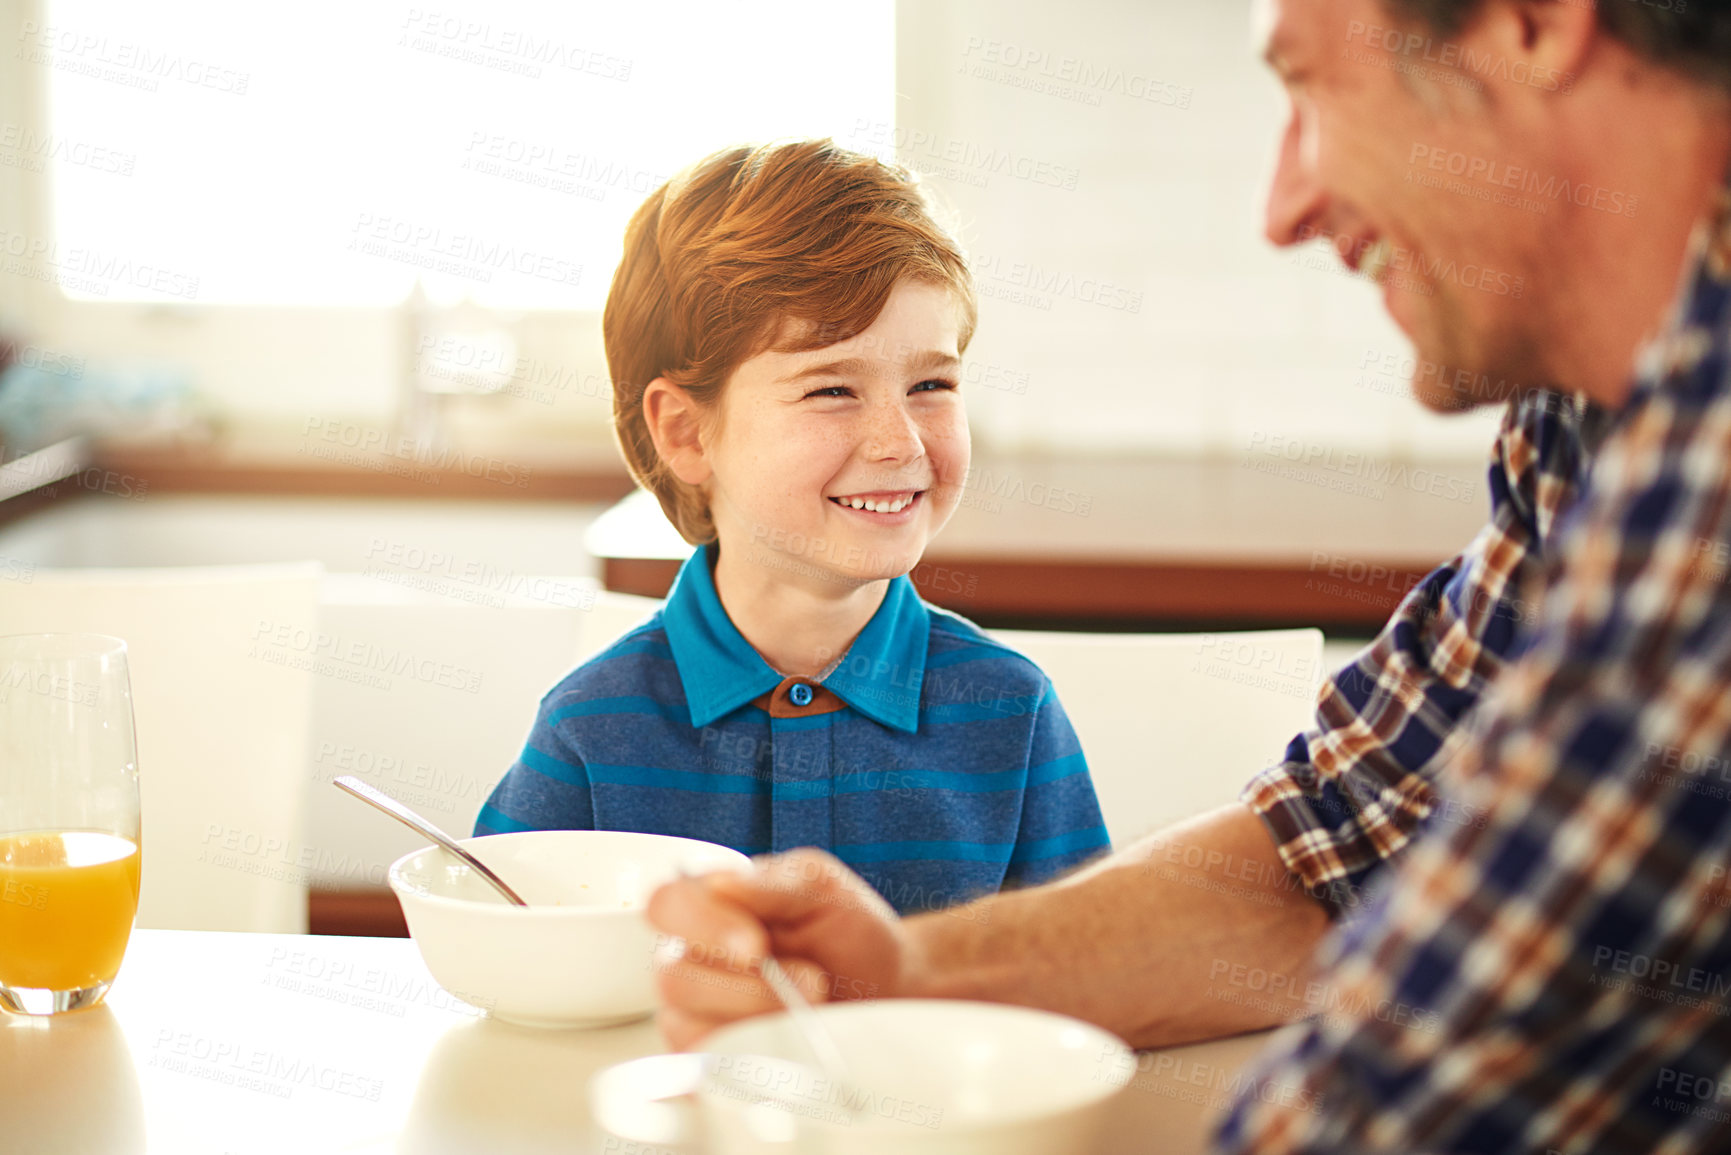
[(580, 954), (930, 1076)]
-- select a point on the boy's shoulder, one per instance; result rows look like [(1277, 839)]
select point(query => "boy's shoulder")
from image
[(640, 661), (956, 641)]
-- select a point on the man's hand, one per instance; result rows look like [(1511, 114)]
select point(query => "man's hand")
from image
[(834, 935), (1136, 942)]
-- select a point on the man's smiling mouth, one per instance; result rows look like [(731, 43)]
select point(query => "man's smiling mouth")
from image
[(893, 502), (1369, 255), (1377, 260)]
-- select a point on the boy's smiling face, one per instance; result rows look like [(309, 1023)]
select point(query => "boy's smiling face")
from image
[(839, 464)]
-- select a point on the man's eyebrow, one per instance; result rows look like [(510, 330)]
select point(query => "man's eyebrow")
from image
[(861, 367)]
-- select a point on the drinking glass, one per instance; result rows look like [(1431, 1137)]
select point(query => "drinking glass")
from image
[(69, 821)]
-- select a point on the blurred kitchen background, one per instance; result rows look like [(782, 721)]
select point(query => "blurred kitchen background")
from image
[(322, 284)]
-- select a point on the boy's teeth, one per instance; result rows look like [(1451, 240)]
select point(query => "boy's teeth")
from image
[(894, 505)]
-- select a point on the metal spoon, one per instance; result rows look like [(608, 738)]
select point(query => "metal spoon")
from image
[(818, 1040), (425, 829)]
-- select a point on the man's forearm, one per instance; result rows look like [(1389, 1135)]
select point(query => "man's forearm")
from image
[(1178, 937)]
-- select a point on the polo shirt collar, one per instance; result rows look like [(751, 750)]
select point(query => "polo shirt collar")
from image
[(881, 673), (879, 676)]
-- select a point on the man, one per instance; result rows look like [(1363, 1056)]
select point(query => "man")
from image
[(1504, 849)]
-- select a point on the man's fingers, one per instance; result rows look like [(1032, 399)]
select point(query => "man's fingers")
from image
[(714, 989), (797, 886), (812, 980), (691, 909), (805, 907)]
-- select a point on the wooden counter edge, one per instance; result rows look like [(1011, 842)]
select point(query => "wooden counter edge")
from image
[(457, 474), (370, 911), (1130, 594)]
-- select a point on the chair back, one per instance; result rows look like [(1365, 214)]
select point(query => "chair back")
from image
[(222, 661), (1175, 724)]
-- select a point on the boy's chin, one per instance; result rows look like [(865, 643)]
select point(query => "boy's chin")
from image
[(877, 570), (838, 571)]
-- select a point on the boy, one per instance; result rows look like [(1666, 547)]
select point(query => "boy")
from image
[(784, 335)]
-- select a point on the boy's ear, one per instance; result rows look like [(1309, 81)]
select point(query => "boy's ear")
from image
[(673, 419)]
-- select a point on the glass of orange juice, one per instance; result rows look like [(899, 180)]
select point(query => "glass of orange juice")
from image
[(69, 820)]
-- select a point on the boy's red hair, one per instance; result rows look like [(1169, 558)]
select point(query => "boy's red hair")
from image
[(792, 245)]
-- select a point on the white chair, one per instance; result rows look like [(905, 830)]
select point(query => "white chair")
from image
[(1175, 724), (439, 724), (221, 661), (440, 737)]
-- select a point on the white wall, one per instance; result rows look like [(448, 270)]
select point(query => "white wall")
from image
[(1210, 338), (1231, 337)]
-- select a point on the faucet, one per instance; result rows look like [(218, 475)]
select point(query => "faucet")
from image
[(459, 350)]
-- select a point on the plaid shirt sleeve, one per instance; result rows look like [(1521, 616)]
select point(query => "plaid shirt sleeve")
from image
[(1558, 978), (1355, 789)]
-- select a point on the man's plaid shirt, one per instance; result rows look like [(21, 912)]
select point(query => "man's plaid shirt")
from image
[(1357, 788), (1550, 968)]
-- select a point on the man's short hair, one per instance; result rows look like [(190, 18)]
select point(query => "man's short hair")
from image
[(790, 246), (1692, 37)]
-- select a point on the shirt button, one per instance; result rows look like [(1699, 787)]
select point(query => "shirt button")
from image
[(801, 694)]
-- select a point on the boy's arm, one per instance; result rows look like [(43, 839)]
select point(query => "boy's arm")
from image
[(1061, 825), (547, 787)]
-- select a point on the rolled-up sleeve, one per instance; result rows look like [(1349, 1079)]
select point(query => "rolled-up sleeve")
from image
[(1354, 790)]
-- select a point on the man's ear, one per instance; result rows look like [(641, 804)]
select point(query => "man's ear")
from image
[(1539, 44), (674, 422)]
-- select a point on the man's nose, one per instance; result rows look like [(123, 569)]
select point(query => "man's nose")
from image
[(1297, 204)]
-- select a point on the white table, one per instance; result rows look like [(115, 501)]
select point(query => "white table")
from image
[(254, 1044)]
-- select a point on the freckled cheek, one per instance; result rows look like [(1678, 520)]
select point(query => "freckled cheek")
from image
[(949, 448), (795, 447), (814, 459), (801, 472)]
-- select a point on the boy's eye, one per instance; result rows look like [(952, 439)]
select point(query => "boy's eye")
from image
[(934, 385)]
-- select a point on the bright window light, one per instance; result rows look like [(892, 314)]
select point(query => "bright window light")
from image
[(333, 152)]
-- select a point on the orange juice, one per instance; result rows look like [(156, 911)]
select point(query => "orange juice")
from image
[(67, 899)]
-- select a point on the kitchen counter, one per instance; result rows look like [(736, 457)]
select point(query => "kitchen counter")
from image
[(1333, 540)]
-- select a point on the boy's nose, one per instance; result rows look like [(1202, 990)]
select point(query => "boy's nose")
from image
[(893, 436)]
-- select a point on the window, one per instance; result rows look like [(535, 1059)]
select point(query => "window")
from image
[(328, 153)]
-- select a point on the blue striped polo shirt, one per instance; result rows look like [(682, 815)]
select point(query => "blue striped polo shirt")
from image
[(936, 762)]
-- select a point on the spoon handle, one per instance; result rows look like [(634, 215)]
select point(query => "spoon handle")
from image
[(425, 829), (817, 1038)]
